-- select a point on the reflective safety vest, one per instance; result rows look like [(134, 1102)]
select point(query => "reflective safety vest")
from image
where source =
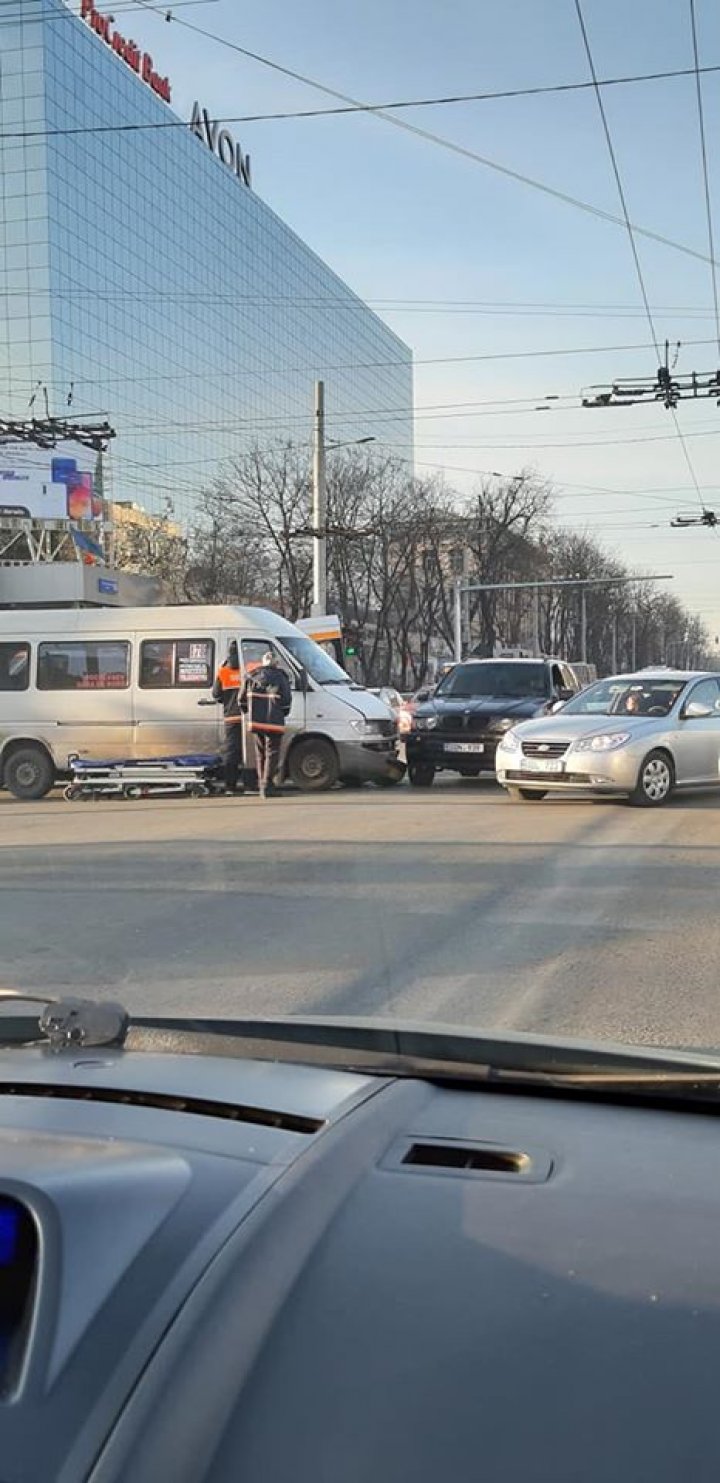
[(229, 677)]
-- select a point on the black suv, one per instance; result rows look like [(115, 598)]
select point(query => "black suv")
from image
[(458, 729)]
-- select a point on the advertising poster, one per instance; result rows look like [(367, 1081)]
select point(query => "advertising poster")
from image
[(48, 483)]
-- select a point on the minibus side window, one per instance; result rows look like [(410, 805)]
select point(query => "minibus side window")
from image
[(84, 666), (183, 664), (14, 666)]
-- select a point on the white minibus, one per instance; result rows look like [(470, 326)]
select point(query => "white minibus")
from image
[(137, 682)]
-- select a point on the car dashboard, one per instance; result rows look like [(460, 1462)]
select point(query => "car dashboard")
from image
[(213, 1269)]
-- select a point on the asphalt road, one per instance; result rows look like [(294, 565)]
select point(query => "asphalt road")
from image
[(456, 904)]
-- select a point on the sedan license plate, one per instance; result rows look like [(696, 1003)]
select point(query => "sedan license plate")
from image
[(464, 746), (541, 764)]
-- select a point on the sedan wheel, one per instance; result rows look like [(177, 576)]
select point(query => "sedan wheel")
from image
[(655, 781)]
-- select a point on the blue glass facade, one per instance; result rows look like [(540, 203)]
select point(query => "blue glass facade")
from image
[(142, 278)]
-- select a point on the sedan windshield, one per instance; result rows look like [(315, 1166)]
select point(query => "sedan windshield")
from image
[(654, 696), (505, 681)]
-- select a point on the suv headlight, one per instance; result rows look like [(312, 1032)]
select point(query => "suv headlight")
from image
[(425, 723), (502, 724), (510, 742), (605, 741)]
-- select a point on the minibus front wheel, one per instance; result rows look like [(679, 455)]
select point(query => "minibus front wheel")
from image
[(28, 772), (313, 764)]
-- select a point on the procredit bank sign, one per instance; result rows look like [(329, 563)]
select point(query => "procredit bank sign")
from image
[(129, 52), (219, 141)]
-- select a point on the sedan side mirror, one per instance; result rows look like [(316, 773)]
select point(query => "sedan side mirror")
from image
[(696, 711), (565, 694)]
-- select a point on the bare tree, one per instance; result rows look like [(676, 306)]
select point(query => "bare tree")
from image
[(394, 547), (247, 541), (501, 529)]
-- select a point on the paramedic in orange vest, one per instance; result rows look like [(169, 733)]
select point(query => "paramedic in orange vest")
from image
[(226, 690), (266, 698)]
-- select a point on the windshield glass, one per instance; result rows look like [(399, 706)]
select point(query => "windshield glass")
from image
[(406, 403), (315, 660), (654, 696), (501, 681)]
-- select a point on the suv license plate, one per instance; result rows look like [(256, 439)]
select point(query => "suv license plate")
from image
[(464, 746), (541, 764)]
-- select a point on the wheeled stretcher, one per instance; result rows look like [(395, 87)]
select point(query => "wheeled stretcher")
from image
[(196, 775)]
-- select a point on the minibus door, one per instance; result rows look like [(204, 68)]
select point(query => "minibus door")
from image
[(252, 652)]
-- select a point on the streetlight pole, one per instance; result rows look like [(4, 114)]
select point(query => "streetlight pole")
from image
[(583, 583), (457, 619), (319, 504)]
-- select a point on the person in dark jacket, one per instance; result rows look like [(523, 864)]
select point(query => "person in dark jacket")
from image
[(266, 698), (226, 691)]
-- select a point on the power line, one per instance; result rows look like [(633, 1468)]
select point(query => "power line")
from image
[(192, 298), (369, 108), (703, 154), (616, 173), (437, 139), (375, 111), (124, 7), (631, 235), (370, 365), (352, 301), (687, 457)]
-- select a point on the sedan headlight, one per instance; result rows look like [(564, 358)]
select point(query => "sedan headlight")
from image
[(510, 742), (605, 741), (425, 723)]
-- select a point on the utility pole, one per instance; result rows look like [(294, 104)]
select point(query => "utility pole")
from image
[(614, 664), (536, 622), (319, 504), (634, 640), (583, 624)]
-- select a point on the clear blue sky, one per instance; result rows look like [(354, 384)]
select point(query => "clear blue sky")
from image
[(404, 219)]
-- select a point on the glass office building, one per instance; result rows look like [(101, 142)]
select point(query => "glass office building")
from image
[(143, 279)]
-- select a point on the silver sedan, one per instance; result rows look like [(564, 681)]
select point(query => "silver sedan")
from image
[(641, 735)]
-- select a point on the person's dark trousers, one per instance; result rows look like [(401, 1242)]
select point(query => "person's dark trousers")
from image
[(267, 757), (232, 754)]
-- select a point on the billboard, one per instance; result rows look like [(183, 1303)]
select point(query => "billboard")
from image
[(49, 483)]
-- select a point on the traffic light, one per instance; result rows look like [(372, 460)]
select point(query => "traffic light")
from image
[(353, 638)]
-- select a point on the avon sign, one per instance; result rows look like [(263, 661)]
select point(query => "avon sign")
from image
[(221, 142)]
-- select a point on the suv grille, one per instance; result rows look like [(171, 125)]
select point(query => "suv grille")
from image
[(544, 749), (461, 725)]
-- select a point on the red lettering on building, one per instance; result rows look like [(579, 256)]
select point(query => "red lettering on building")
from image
[(129, 51)]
